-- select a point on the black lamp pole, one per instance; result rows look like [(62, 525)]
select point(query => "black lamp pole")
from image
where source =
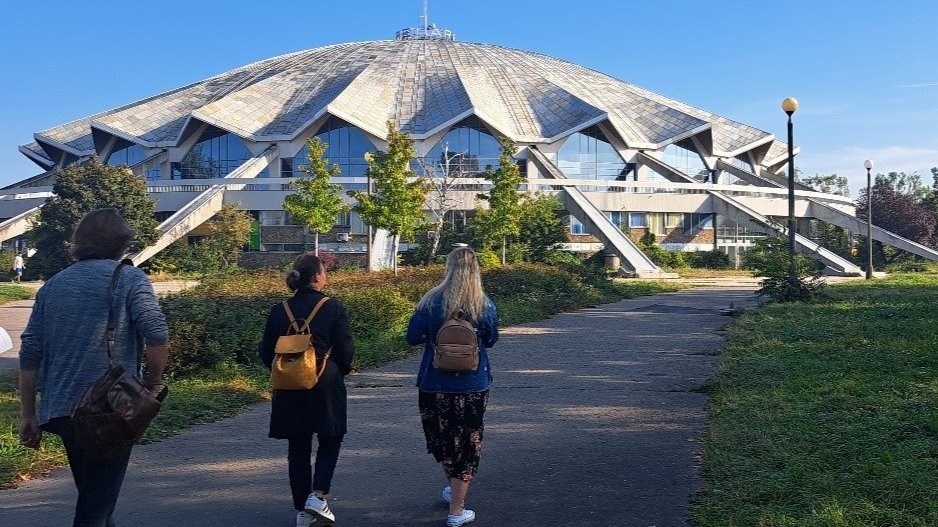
[(869, 219), (790, 105)]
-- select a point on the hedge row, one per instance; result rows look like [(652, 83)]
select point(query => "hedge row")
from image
[(221, 321)]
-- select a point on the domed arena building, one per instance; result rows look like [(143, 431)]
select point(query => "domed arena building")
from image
[(622, 159)]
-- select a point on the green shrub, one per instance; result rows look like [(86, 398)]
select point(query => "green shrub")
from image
[(489, 259), (786, 279), (562, 258), (715, 259)]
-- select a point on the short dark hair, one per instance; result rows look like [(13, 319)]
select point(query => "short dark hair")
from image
[(101, 234), (305, 267)]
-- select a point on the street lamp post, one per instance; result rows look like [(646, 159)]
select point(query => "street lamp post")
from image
[(790, 105), (869, 219), (368, 248)]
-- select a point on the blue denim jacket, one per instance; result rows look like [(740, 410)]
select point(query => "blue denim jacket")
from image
[(422, 329)]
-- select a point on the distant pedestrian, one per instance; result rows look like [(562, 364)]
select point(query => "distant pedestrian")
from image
[(298, 414), (19, 265), (452, 402), (66, 339)]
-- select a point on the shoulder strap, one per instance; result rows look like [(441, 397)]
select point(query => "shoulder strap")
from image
[(313, 313), (109, 332), (293, 325)]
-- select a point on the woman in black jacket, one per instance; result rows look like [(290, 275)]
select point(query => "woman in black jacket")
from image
[(298, 414)]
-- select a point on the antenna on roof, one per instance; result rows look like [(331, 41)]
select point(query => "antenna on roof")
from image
[(426, 31)]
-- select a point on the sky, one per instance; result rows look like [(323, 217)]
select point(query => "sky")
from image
[(865, 72)]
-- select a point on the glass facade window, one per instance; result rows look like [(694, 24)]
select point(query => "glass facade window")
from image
[(272, 247), (577, 227), (469, 147), (347, 147), (127, 155), (356, 225), (682, 157), (217, 154), (615, 217), (588, 155), (638, 219), (270, 218), (695, 222), (742, 161), (343, 219), (674, 220)]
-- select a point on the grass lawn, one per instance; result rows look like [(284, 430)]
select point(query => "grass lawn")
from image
[(11, 292), (826, 414), (226, 315), (712, 273)]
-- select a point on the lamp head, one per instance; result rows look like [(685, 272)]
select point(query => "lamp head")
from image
[(868, 164), (790, 105), (368, 157)]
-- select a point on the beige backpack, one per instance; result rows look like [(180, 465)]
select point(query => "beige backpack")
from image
[(456, 347), (295, 362)]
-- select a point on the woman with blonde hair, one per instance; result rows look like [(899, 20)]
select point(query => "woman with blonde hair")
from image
[(453, 400)]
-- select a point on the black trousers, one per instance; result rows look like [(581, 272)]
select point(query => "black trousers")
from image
[(98, 479), (299, 457)]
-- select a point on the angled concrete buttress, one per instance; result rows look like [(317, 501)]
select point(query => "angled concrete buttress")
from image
[(836, 264), (634, 261), (203, 207), (18, 225), (853, 224)]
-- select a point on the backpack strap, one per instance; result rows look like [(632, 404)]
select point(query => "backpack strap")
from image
[(313, 313), (293, 325)]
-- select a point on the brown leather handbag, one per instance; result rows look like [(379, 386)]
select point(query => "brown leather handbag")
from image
[(116, 410), (295, 363)]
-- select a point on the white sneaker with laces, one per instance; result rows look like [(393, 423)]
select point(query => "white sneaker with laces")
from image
[(465, 518), (448, 494), (304, 519), (319, 508)]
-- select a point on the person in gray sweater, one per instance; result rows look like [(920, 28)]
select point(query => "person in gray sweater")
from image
[(64, 344)]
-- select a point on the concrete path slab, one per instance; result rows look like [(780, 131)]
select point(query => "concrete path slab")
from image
[(595, 419)]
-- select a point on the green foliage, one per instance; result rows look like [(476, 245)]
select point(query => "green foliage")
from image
[(830, 184), (79, 189), (396, 204), (501, 219), (420, 255), (715, 259), (539, 227), (648, 239), (489, 258), (561, 258), (228, 231), (11, 292), (316, 202), (825, 415), (785, 278)]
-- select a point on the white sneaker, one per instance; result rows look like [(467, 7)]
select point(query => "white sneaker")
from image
[(304, 519), (465, 518), (319, 508), (448, 494)]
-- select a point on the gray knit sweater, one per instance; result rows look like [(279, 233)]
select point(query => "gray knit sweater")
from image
[(65, 334)]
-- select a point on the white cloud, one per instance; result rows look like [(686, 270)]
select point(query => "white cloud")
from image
[(923, 85), (848, 162)]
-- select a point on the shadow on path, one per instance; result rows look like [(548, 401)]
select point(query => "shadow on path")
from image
[(595, 419)]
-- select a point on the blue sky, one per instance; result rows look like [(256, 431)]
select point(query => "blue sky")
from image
[(865, 72)]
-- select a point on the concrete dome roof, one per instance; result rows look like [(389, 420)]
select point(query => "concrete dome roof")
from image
[(422, 85)]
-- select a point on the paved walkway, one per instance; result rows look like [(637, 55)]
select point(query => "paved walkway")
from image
[(15, 315), (595, 419)]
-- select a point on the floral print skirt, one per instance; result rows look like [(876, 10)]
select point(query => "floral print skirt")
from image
[(452, 424)]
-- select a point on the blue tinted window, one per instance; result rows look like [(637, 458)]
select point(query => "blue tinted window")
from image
[(128, 155), (577, 227), (469, 147), (346, 147), (587, 155), (682, 157), (216, 155)]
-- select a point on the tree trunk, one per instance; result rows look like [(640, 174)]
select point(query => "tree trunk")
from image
[(394, 245), (503, 250), (316, 243), (436, 241)]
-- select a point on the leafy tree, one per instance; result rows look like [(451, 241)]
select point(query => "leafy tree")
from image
[(441, 177), (229, 231), (398, 199), (316, 202), (501, 219), (897, 212), (539, 226), (931, 201), (903, 183), (79, 189), (830, 184)]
